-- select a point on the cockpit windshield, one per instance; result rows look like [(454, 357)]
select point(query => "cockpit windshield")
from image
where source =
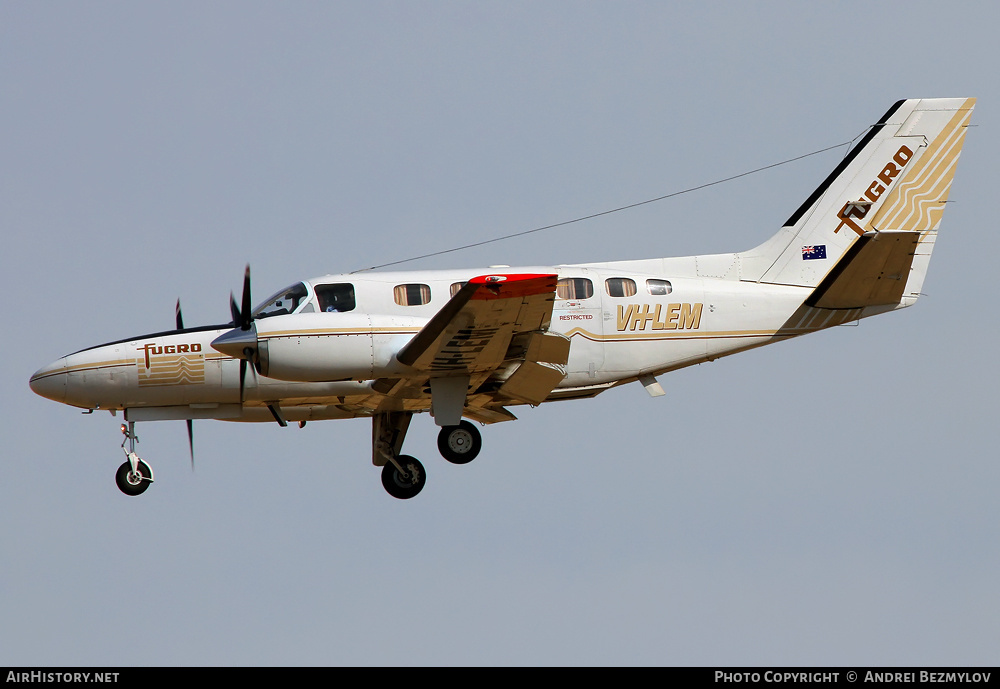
[(283, 302)]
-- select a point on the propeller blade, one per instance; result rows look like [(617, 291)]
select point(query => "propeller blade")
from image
[(235, 343), (243, 375), (190, 425), (247, 305), (234, 309), (179, 319)]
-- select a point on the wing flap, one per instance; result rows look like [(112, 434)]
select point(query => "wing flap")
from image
[(487, 413), (551, 348), (532, 382)]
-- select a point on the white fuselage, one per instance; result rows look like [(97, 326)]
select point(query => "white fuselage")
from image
[(322, 364)]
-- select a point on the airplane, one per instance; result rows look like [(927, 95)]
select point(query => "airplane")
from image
[(468, 345)]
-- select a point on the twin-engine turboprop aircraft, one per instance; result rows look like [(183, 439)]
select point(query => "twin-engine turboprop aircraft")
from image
[(469, 345)]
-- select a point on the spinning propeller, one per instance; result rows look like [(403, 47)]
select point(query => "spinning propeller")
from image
[(190, 424), (241, 342), (244, 319)]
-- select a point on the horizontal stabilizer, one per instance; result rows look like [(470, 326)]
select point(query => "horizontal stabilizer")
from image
[(873, 272)]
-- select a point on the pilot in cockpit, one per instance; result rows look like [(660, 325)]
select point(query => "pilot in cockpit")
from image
[(335, 298)]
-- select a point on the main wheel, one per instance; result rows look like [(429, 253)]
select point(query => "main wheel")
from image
[(460, 444), (133, 483), (404, 487)]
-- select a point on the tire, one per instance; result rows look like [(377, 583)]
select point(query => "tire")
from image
[(404, 488), (140, 484), (460, 444)]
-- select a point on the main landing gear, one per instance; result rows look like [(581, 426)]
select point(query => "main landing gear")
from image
[(403, 476), (134, 476), (460, 444)]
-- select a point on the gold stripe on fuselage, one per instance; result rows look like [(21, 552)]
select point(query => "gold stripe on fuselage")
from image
[(319, 332)]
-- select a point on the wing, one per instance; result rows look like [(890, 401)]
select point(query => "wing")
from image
[(487, 347)]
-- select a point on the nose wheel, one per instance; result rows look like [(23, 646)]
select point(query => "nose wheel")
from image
[(133, 481)]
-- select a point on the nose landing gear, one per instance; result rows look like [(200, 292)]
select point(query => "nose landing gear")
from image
[(133, 481), (134, 475)]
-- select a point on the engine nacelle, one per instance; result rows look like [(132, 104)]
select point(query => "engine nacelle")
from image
[(322, 347)]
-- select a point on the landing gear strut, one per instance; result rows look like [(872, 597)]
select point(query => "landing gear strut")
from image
[(134, 476), (402, 476)]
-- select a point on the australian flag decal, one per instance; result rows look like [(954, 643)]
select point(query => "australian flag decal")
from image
[(815, 251)]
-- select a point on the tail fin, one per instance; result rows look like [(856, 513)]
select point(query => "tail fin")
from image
[(895, 181)]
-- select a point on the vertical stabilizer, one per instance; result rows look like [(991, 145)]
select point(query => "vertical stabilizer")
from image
[(896, 179)]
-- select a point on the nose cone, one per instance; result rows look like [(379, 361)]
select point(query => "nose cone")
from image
[(236, 342), (50, 381)]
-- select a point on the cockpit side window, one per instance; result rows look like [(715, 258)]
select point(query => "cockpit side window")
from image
[(337, 297), (283, 302)]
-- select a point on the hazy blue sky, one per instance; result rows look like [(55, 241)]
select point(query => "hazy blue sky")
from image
[(830, 500)]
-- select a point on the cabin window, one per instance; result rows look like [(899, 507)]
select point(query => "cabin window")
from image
[(455, 286), (659, 287), (574, 288), (411, 295), (335, 298), (285, 301), (620, 287)]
